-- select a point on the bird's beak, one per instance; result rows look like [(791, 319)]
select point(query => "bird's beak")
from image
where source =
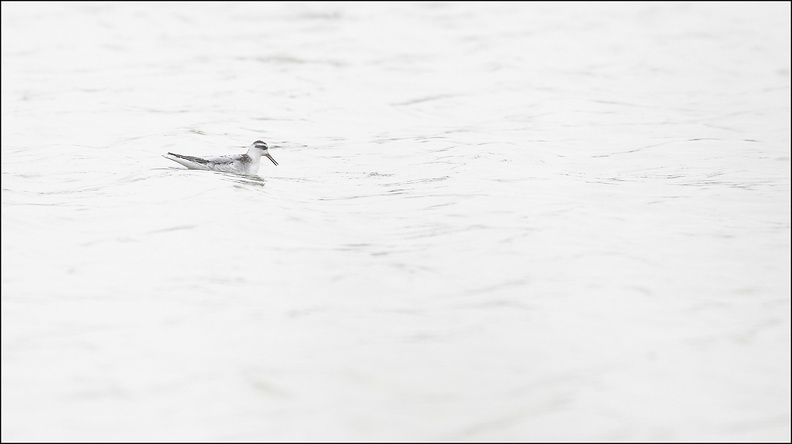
[(270, 158)]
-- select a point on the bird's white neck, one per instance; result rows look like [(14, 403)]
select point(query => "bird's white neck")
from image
[(254, 153)]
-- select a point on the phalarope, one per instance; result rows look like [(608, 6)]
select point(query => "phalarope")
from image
[(246, 164)]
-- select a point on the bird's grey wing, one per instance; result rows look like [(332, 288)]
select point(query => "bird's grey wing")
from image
[(198, 160), (220, 160), (229, 164), (195, 163), (237, 164)]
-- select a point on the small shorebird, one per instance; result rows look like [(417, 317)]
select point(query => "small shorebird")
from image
[(246, 164)]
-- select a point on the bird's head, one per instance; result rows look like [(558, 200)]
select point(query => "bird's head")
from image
[(263, 150)]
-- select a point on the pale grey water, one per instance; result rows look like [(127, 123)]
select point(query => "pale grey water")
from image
[(490, 221)]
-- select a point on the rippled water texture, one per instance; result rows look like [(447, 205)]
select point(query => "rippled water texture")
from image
[(490, 221)]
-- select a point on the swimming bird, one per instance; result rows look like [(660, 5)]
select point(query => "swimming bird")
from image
[(245, 164)]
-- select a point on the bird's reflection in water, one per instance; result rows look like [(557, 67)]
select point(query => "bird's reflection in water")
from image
[(243, 181)]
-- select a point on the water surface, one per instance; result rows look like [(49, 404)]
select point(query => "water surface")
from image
[(490, 221)]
